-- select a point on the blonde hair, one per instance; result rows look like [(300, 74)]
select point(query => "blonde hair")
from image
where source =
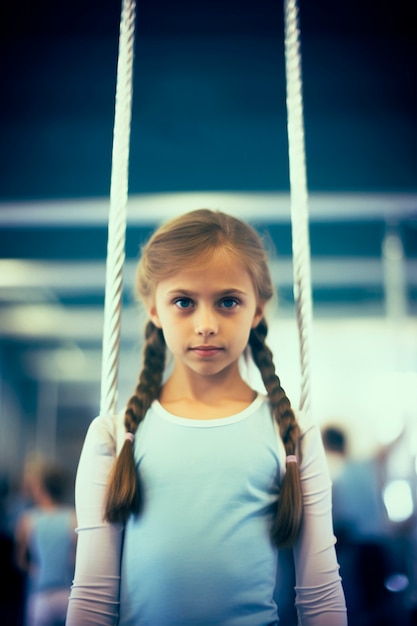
[(179, 243)]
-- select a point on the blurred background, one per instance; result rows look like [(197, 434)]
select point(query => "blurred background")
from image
[(209, 129)]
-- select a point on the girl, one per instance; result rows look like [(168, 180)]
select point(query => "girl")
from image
[(210, 477), (45, 546)]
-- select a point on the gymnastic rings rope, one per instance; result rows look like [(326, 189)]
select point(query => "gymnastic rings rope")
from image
[(117, 213), (119, 196), (299, 197)]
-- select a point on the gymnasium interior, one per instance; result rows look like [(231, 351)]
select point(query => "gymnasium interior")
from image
[(209, 128)]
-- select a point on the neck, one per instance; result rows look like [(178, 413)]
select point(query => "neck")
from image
[(226, 387)]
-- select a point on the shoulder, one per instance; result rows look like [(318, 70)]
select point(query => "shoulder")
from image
[(105, 434), (309, 429), (304, 418), (311, 445), (305, 421), (313, 456)]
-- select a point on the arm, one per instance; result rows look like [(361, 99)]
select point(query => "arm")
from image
[(94, 598), (319, 595)]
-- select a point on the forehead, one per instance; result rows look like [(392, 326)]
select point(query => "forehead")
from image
[(221, 270)]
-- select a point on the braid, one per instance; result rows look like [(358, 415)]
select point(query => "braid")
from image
[(289, 511), (123, 494), (150, 378)]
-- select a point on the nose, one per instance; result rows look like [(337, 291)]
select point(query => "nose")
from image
[(205, 322)]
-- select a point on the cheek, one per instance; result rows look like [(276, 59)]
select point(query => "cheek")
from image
[(171, 331)]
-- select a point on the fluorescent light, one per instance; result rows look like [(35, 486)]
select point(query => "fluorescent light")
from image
[(398, 500), (153, 208)]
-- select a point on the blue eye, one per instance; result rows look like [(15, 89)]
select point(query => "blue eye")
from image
[(229, 303), (183, 303)]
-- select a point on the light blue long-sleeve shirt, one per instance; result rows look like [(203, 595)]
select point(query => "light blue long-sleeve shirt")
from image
[(200, 553)]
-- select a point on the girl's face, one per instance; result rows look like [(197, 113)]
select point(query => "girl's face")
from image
[(206, 314)]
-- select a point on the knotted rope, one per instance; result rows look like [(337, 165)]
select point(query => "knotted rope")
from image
[(118, 209), (299, 197)]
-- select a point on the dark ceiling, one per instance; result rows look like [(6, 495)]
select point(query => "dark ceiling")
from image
[(209, 96)]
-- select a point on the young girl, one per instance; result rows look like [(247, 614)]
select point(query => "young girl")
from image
[(45, 546), (182, 508)]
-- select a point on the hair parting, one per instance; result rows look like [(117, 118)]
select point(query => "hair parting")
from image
[(123, 495), (287, 521)]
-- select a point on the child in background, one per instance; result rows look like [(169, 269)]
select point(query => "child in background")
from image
[(184, 500), (45, 545)]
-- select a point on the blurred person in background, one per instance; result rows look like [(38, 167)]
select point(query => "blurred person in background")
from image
[(45, 548), (367, 540), (16, 497)]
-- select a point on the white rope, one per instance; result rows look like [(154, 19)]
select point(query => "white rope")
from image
[(117, 213), (299, 197), (119, 194)]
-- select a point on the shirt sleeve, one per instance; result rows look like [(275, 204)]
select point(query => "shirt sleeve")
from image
[(94, 597), (320, 599)]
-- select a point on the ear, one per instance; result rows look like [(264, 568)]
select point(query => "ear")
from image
[(153, 315), (259, 313)]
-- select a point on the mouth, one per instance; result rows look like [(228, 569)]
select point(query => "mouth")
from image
[(206, 351)]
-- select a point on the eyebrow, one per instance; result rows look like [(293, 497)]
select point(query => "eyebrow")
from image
[(223, 292)]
